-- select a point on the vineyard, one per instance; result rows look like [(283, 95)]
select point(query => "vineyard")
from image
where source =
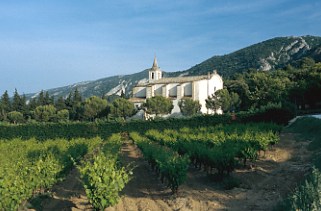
[(30, 167)]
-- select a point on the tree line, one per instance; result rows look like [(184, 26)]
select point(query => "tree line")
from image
[(44, 108), (296, 88)]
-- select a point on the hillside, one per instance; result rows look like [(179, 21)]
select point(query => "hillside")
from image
[(267, 55)]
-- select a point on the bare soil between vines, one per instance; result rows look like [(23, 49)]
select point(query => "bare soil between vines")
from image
[(263, 183)]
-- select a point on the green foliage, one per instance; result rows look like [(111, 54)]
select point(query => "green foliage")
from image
[(168, 164), (60, 104), (45, 113), (15, 117), (269, 113), (213, 102), (62, 115), (218, 147), (306, 196), (103, 180), (104, 129), (298, 86), (224, 99), (309, 129), (5, 106), (103, 177), (44, 99), (189, 107), (30, 166), (17, 102), (159, 105), (74, 105), (93, 106), (121, 107)]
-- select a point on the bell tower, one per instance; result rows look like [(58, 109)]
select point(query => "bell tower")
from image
[(155, 73)]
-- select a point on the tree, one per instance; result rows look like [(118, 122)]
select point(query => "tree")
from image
[(121, 107), (5, 105), (32, 105), (47, 99), (189, 107), (241, 88), (17, 102), (213, 102), (60, 104), (77, 97), (228, 101), (93, 106), (307, 62), (235, 101), (41, 99), (45, 113), (158, 105), (15, 117), (63, 115), (122, 94), (74, 104)]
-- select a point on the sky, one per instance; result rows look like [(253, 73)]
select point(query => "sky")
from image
[(47, 44)]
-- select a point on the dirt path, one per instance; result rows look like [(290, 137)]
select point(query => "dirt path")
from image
[(144, 191), (262, 186), (68, 195)]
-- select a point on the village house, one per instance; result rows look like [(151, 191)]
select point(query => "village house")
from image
[(176, 88)]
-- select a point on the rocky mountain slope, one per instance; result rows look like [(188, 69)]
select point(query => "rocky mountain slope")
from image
[(267, 55)]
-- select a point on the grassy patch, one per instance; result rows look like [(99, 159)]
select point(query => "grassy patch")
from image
[(307, 196), (309, 129)]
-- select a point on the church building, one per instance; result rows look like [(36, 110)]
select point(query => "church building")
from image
[(176, 88)]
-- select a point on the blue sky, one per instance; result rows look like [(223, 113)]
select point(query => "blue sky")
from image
[(47, 44)]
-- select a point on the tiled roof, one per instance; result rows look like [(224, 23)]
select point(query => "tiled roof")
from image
[(175, 80), (180, 79)]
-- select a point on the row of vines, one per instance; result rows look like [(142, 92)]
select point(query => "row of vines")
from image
[(29, 166), (32, 165), (103, 175), (221, 148), (168, 164)]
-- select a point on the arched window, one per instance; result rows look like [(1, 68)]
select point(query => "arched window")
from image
[(152, 75)]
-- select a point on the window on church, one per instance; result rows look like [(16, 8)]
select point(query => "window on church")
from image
[(152, 75)]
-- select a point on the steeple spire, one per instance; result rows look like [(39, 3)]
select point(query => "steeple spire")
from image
[(155, 65)]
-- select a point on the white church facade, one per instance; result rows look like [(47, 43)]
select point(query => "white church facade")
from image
[(195, 87)]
